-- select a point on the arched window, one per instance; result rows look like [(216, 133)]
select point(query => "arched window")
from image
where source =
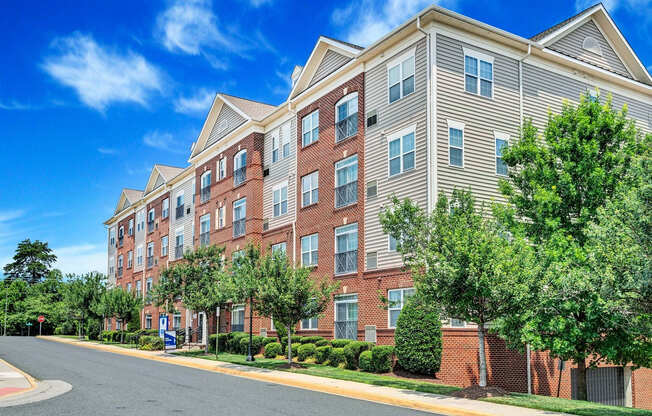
[(346, 116), (592, 45), (240, 167)]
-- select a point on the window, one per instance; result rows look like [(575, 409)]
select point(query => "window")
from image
[(111, 265), (401, 152), (391, 243), (112, 237), (205, 191), (139, 286), (180, 203), (221, 213), (148, 285), (117, 325), (457, 323), (176, 321), (178, 243), (372, 260), (478, 73), (120, 262), (397, 299), (310, 128), (131, 226), (285, 139), (310, 250), (310, 189), (275, 145), (222, 168), (164, 246), (165, 211), (280, 247), (455, 143), (130, 259), (309, 323), (239, 215), (237, 318), (139, 255), (129, 287), (240, 167), (400, 75), (346, 113), (502, 140), (346, 181), (150, 254), (148, 321), (346, 317), (204, 230), (121, 234), (150, 220), (140, 220), (346, 249), (280, 199)]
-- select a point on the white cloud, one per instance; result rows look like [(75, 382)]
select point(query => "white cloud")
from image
[(198, 104), (641, 8), (162, 141), (80, 259), (374, 19), (258, 3), (15, 105), (102, 76), (107, 151), (6, 216)]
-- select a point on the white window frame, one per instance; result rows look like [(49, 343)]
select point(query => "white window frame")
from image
[(238, 308), (313, 324), (310, 250), (206, 218), (398, 61), (111, 265), (221, 168), (139, 255), (400, 135), (278, 190), (130, 259), (165, 208), (389, 305), (457, 126), (275, 146), (150, 245), (389, 244), (220, 213), (357, 242), (112, 236), (310, 128), (175, 317), (153, 215), (285, 140), (129, 287), (165, 242), (504, 137), (120, 261), (131, 226), (181, 195), (282, 246), (237, 204), (148, 284), (148, 321), (140, 220), (310, 190), (352, 97), (204, 176), (479, 57), (237, 160)]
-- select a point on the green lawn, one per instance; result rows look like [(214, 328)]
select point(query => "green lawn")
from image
[(575, 407), (72, 337)]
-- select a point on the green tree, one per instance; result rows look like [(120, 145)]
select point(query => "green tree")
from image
[(31, 262), (289, 294), (461, 259), (557, 185), (81, 295), (120, 304)]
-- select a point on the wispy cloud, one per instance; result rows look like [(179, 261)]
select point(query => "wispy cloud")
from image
[(107, 151), (6, 216), (101, 75), (163, 141), (197, 104), (81, 258), (258, 3), (374, 19), (14, 105)]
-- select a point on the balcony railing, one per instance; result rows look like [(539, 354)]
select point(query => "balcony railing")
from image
[(150, 261), (180, 211), (237, 327), (119, 271), (239, 176), (205, 194), (150, 226), (346, 194), (238, 227), (204, 239), (346, 329), (346, 262), (178, 252), (347, 127)]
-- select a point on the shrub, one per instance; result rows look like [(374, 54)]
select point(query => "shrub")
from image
[(268, 340), (222, 339), (322, 353), (305, 351), (352, 351), (381, 358), (256, 344), (340, 343), (150, 343), (233, 342), (364, 361), (180, 340), (311, 339), (322, 342), (273, 349), (336, 357), (418, 338)]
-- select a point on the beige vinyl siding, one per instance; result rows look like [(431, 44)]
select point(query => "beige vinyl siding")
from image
[(331, 62), (233, 120), (571, 45), (279, 171), (407, 111), (188, 187), (641, 112), (112, 252), (139, 238), (481, 117)]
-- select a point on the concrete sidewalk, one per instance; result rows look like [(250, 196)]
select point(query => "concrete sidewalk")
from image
[(387, 395), (13, 381)]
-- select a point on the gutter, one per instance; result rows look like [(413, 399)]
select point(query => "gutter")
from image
[(428, 115)]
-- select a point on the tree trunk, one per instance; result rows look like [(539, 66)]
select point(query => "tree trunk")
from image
[(205, 333), (289, 346), (581, 379), (250, 357), (483, 358)]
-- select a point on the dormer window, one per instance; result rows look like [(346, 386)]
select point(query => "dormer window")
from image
[(591, 44)]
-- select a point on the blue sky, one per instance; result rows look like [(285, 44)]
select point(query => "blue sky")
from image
[(93, 94)]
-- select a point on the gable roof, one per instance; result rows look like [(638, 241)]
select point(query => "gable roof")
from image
[(127, 198), (559, 25), (160, 174), (254, 110), (168, 172)]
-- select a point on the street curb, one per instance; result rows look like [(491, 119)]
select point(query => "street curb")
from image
[(31, 380), (371, 397)]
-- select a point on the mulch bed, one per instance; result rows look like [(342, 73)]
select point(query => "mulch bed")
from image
[(285, 366), (398, 373), (477, 392)]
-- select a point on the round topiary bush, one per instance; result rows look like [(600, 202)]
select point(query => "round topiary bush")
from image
[(305, 351), (352, 351), (382, 358), (364, 361), (336, 357), (322, 353), (273, 349), (418, 338)]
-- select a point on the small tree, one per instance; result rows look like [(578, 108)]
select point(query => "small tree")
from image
[(82, 294), (289, 294), (32, 261), (121, 304), (461, 259)]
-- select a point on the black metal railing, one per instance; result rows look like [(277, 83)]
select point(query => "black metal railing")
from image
[(178, 252), (239, 175), (346, 329), (346, 194), (150, 261), (237, 327), (180, 211), (205, 194), (204, 239), (119, 271), (346, 262), (150, 226), (347, 127), (239, 227)]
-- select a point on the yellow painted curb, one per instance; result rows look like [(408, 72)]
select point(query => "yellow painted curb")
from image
[(372, 397), (31, 380)]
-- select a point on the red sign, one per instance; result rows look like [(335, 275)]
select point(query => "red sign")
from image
[(41, 318)]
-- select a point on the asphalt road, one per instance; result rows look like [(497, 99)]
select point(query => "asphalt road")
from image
[(104, 383)]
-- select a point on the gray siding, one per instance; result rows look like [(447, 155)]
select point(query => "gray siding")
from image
[(571, 45), (232, 120), (405, 112), (331, 62), (112, 253), (481, 117), (188, 187), (280, 171), (139, 239)]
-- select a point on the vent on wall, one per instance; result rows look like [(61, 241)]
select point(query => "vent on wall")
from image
[(265, 172), (372, 118), (265, 224), (372, 189), (372, 260), (591, 45)]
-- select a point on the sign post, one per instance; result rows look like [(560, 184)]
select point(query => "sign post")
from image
[(29, 326), (162, 325), (41, 319)]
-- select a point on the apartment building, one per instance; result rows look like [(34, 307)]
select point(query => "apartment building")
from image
[(426, 108)]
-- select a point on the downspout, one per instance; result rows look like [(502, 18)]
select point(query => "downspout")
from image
[(428, 115), (296, 188), (520, 85)]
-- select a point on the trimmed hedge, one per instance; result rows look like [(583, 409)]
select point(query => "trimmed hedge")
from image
[(150, 343), (268, 340), (322, 354), (336, 357), (418, 338), (256, 344), (305, 351), (233, 342), (352, 351), (322, 342), (273, 349), (365, 361), (313, 339), (381, 358), (340, 343)]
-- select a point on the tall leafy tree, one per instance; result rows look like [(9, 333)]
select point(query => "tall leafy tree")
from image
[(120, 304), (290, 294), (462, 260), (81, 295), (557, 184), (31, 262)]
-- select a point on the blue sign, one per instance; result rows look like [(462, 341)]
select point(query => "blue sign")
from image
[(162, 325), (170, 340)]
